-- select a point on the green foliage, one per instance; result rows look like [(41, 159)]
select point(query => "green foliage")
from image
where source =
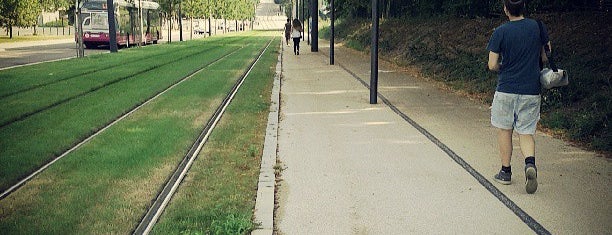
[(53, 5), (232, 224), (399, 8), (228, 9)]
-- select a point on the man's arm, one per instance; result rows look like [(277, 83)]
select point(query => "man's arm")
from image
[(493, 61), (543, 53)]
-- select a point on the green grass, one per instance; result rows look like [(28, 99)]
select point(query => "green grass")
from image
[(107, 184), (28, 144), (217, 196), (21, 104), (25, 78)]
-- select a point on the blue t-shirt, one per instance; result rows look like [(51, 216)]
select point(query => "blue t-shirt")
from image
[(519, 44)]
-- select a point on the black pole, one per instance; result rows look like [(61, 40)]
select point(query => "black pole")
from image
[(308, 22), (209, 25), (112, 30), (180, 15), (331, 37), (303, 26), (374, 54), (314, 14)]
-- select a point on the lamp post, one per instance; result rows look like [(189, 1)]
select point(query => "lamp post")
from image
[(78, 29), (303, 27), (331, 38), (180, 15), (314, 14), (112, 29), (141, 23), (374, 54)]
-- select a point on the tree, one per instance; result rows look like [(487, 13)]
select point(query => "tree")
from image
[(8, 14), (22, 13)]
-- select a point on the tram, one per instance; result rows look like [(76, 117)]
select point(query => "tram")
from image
[(94, 16)]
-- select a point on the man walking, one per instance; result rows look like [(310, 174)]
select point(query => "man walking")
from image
[(287, 31), (516, 104)]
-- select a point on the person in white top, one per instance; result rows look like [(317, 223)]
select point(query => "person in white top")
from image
[(296, 34)]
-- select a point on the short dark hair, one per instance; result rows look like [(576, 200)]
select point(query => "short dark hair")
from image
[(515, 7)]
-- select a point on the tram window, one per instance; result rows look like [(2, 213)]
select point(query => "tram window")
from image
[(87, 22), (99, 21)]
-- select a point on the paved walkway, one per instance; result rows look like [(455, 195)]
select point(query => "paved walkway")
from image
[(355, 168)]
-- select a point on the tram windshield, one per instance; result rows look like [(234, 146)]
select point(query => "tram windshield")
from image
[(98, 21)]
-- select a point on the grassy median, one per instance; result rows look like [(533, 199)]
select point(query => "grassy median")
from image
[(107, 184), (217, 196), (28, 144)]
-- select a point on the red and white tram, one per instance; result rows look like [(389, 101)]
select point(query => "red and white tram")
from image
[(94, 15)]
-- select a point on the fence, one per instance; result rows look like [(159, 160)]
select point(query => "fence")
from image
[(46, 31)]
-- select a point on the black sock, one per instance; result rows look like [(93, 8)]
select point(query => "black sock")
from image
[(507, 169), (530, 160)]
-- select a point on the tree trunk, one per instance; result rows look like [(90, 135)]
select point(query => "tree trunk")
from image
[(210, 25), (10, 29)]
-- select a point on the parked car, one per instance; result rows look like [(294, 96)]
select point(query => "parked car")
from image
[(199, 30)]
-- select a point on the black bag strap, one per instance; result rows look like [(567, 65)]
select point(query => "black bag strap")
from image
[(551, 60)]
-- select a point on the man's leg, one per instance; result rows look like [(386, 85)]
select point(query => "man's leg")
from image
[(531, 172), (504, 140), (528, 112), (527, 145)]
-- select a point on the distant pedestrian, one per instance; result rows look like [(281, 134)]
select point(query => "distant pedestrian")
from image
[(516, 104), (287, 31), (296, 34)]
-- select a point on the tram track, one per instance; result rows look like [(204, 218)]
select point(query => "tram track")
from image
[(165, 194), (74, 76), (101, 129), (96, 88), (120, 64)]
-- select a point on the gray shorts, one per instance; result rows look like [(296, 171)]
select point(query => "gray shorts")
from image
[(514, 111)]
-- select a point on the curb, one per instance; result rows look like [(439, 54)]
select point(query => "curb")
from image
[(264, 203)]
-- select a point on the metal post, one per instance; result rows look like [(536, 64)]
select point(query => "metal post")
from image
[(303, 27), (141, 23), (210, 25), (314, 13), (79, 30), (309, 26), (374, 54), (112, 30), (331, 37), (180, 15)]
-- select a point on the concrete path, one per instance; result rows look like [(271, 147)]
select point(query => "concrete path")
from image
[(355, 168)]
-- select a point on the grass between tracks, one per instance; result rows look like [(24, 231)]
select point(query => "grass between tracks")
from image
[(106, 185), (28, 144), (217, 196), (35, 96)]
